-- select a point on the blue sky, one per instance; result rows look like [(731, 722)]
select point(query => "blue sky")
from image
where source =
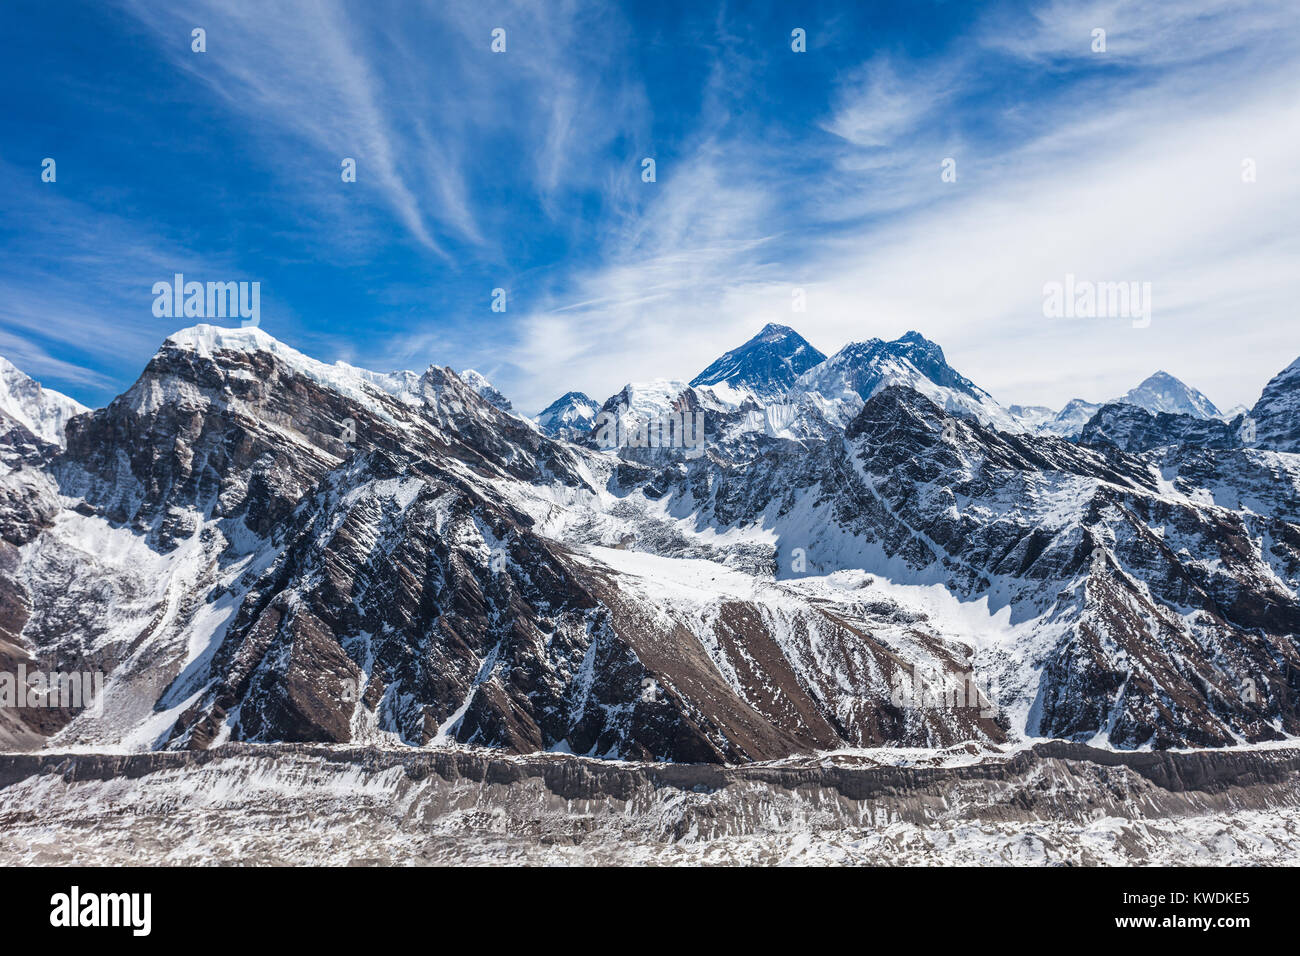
[(775, 170)]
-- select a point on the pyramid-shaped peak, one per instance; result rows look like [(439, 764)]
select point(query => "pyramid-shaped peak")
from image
[(765, 366)]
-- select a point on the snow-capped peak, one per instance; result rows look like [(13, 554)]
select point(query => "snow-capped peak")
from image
[(1160, 392), (840, 385), (1164, 393), (42, 411), (765, 366), (485, 389), (206, 340), (569, 415)]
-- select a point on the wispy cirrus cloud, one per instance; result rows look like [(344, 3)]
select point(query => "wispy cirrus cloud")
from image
[(416, 96), (1150, 35), (1128, 173), (776, 170), (293, 67)]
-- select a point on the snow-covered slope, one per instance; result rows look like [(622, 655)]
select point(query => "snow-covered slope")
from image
[(42, 411), (1033, 417), (650, 400)]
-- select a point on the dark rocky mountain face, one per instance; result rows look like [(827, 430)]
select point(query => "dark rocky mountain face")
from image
[(245, 436), (1277, 413), (378, 579), (767, 365), (378, 612), (257, 547), (400, 590), (1154, 619), (1136, 430)]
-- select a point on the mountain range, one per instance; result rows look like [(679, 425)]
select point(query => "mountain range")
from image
[(256, 546), (777, 372)]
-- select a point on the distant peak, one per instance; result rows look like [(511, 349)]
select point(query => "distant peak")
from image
[(1162, 392), (766, 365), (571, 412), (477, 381), (570, 400)]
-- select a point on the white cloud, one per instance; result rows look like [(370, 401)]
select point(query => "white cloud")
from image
[(1134, 177), (1150, 33), (883, 102)]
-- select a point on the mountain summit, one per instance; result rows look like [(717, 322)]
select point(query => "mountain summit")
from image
[(1164, 393), (767, 365), (477, 381), (568, 416), (855, 373), (1159, 394)]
